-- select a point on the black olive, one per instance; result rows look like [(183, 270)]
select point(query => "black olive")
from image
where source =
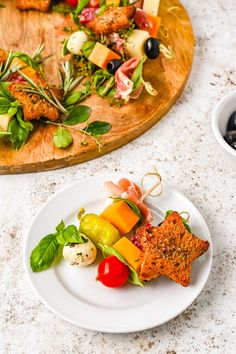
[(113, 65), (233, 145), (152, 48), (232, 122), (230, 137)]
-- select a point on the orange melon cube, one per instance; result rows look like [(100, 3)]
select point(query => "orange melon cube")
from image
[(114, 3), (154, 25), (101, 55), (121, 216), (24, 68), (131, 253)]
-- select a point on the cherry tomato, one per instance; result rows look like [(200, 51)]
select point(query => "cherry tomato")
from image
[(94, 3), (72, 3), (112, 272)]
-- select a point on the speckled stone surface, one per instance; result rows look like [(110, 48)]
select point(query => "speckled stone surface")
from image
[(183, 148)]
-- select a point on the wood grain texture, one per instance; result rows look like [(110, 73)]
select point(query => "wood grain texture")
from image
[(25, 30)]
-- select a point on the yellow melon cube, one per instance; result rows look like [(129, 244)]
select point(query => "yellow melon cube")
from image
[(129, 251)]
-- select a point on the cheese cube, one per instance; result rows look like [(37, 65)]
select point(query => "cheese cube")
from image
[(151, 7), (101, 55), (134, 45)]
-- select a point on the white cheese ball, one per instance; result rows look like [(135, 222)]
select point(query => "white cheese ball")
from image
[(80, 254), (76, 41)]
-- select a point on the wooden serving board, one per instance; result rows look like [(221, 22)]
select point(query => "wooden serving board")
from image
[(25, 30)]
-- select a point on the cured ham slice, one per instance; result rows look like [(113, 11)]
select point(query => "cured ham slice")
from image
[(124, 85), (127, 189)]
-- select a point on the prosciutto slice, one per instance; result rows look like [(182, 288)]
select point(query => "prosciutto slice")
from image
[(127, 189), (124, 85)]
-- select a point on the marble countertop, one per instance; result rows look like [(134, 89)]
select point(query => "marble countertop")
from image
[(184, 150)]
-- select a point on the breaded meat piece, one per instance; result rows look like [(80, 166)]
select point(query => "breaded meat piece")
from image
[(34, 106), (169, 250), (112, 20), (39, 5)]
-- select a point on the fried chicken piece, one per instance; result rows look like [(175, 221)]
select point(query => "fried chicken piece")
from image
[(34, 106), (3, 56), (112, 20), (39, 5), (169, 250)]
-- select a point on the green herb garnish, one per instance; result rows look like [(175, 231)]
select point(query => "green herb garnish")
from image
[(133, 275), (46, 252)]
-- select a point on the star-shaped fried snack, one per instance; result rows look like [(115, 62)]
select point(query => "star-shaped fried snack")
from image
[(169, 250)]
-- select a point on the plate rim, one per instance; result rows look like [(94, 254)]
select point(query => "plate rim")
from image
[(104, 329)]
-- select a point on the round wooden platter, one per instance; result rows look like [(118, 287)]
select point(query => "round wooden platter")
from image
[(25, 30)]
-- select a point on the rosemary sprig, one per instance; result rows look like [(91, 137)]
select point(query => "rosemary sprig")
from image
[(68, 81), (39, 90)]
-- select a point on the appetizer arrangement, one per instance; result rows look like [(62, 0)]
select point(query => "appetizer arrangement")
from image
[(104, 56), (133, 249), (230, 136)]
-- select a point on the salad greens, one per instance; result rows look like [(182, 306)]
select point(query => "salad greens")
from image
[(133, 275)]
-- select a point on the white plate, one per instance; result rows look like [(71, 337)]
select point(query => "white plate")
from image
[(73, 293)]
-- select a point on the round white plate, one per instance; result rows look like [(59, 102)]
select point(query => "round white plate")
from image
[(73, 294)]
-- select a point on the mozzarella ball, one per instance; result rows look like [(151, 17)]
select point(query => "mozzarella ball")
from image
[(76, 41), (80, 254)]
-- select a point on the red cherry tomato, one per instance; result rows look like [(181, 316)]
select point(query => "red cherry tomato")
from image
[(94, 3), (112, 272), (72, 3)]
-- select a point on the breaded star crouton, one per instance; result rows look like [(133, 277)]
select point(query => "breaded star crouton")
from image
[(112, 20), (169, 250), (33, 106), (39, 5)]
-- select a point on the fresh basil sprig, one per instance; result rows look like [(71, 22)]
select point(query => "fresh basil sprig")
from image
[(98, 128), (46, 252), (133, 275), (62, 138)]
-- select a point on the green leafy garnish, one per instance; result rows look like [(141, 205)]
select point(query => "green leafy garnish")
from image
[(98, 128), (133, 275), (78, 115), (133, 206), (62, 138), (81, 5), (46, 252), (87, 48)]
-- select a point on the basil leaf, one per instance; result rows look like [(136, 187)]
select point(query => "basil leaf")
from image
[(62, 138), (133, 206), (44, 253), (87, 48), (12, 111), (19, 135), (81, 5), (70, 235), (60, 227), (5, 104), (133, 275), (78, 115), (4, 91), (98, 128)]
